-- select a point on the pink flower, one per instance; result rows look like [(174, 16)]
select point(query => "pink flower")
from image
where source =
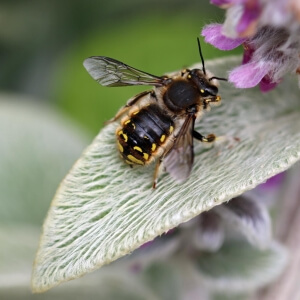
[(213, 35), (221, 3), (270, 34), (274, 182), (249, 17)]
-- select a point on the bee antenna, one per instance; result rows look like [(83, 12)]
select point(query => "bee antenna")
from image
[(201, 56), (218, 78)]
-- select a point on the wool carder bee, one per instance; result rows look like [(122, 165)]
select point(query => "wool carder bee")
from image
[(158, 125)]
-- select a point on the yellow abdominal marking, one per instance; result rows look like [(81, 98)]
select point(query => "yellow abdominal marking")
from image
[(129, 121), (146, 156), (135, 112), (162, 138), (171, 129), (202, 91), (137, 148), (121, 149), (125, 137), (153, 147), (134, 160)]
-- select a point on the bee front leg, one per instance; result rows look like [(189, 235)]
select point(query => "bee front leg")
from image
[(211, 99), (207, 139), (129, 104)]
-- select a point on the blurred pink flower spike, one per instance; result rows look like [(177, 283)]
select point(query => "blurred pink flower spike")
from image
[(251, 74), (221, 3), (270, 34), (249, 18), (274, 182), (248, 75), (213, 35), (267, 85)]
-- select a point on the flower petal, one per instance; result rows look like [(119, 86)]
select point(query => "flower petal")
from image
[(248, 53), (209, 233), (213, 35), (226, 3), (249, 217), (273, 182), (267, 85), (221, 2), (248, 75), (249, 17)]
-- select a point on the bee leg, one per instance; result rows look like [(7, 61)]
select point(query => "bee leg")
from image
[(208, 139), (156, 173), (118, 115), (131, 102), (211, 99), (184, 71)]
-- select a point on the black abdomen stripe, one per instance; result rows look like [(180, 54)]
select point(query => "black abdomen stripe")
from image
[(143, 133)]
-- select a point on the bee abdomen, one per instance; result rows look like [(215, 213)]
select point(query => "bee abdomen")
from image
[(143, 133)]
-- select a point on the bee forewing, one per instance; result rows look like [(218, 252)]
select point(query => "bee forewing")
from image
[(110, 72), (98, 68)]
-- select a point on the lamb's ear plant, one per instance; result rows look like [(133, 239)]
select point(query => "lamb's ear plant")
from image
[(103, 210), (38, 145)]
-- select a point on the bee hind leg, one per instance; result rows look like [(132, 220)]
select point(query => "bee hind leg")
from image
[(130, 103), (156, 173), (121, 112), (207, 139)]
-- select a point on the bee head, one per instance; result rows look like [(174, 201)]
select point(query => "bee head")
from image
[(202, 80), (204, 84)]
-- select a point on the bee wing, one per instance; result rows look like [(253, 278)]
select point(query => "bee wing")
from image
[(110, 72), (179, 160)]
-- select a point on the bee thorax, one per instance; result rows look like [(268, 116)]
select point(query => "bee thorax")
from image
[(180, 95)]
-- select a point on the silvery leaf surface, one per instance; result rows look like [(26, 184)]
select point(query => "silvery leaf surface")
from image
[(103, 209), (38, 145), (240, 268)]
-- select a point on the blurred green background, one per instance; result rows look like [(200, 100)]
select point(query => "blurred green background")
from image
[(43, 45), (50, 108)]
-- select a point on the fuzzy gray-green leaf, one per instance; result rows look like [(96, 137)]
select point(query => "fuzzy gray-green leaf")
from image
[(239, 268), (37, 147), (104, 209)]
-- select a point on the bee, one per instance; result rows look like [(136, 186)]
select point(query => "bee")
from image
[(158, 125)]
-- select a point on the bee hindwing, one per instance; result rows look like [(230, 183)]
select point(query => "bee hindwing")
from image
[(179, 160)]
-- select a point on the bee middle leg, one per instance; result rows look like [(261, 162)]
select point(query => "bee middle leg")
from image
[(129, 104), (207, 139)]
